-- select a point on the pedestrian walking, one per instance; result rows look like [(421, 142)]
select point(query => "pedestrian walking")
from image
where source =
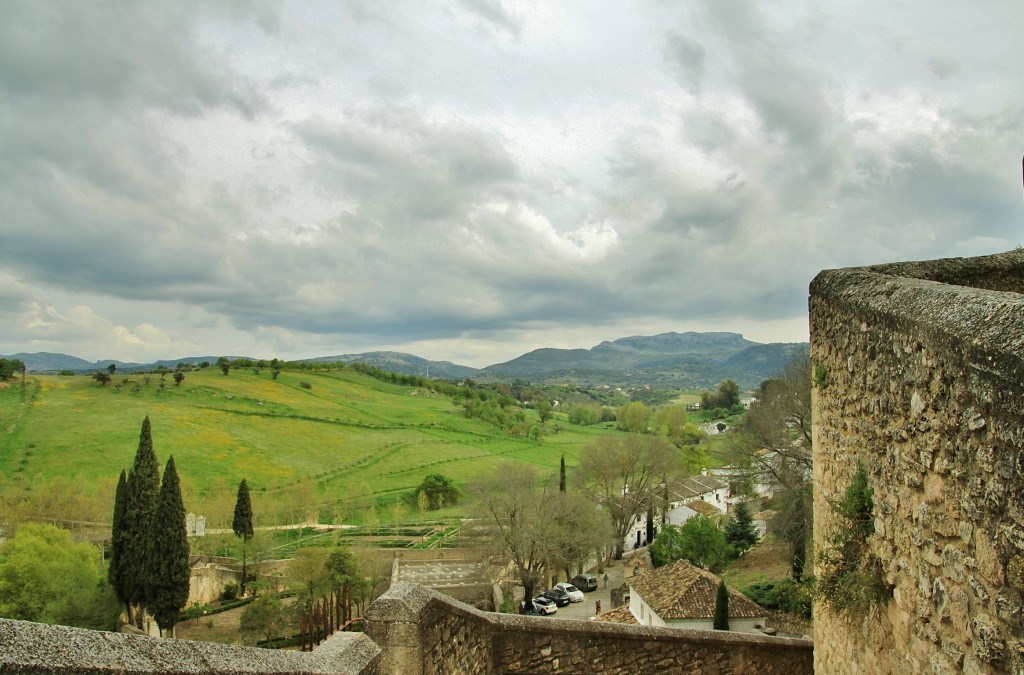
[(598, 611), (606, 580)]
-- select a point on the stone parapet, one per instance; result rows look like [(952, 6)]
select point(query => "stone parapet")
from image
[(411, 630), (919, 377), (40, 648), (456, 638)]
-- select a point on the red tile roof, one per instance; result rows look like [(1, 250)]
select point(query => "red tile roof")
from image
[(682, 591)]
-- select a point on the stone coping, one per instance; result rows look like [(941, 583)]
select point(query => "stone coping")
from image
[(27, 647), (406, 602), (971, 307)]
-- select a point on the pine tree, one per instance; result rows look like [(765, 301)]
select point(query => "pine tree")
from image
[(116, 571), (740, 532), (721, 621), (167, 570), (142, 488), (242, 523)]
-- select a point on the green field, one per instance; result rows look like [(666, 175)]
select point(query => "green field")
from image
[(344, 444)]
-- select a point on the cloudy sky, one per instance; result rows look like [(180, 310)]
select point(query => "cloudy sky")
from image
[(470, 180)]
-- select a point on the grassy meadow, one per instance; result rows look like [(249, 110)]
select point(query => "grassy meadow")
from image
[(337, 448)]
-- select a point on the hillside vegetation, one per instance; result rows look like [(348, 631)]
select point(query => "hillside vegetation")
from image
[(330, 444)]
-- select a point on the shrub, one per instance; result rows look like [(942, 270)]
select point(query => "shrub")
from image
[(851, 580), (305, 385), (230, 591)]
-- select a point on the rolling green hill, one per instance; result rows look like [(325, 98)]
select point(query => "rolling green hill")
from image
[(343, 444)]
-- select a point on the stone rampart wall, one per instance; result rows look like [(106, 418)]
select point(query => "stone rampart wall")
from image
[(428, 633), (920, 378)]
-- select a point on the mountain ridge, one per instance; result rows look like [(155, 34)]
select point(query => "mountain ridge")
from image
[(666, 360)]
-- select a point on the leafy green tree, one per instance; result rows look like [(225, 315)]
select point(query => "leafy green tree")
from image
[(241, 524), (307, 573), (726, 397), (167, 570), (622, 474), (772, 446), (740, 532), (544, 409), (633, 417), (440, 491), (142, 488), (46, 577), (8, 367), (112, 368), (265, 617), (699, 540), (179, 377), (224, 364), (101, 377), (721, 621), (116, 571), (342, 569), (584, 415)]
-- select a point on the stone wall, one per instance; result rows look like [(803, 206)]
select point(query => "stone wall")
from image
[(919, 371), (427, 633), (38, 648), (411, 630)]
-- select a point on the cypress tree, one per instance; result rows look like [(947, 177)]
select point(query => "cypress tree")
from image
[(242, 523), (116, 572), (561, 476), (721, 621), (142, 488), (167, 570)]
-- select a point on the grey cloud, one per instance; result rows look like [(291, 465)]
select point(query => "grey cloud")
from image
[(394, 163), (96, 53), (495, 13), (943, 64), (688, 55)]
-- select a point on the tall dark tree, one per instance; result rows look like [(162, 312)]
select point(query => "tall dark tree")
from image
[(167, 570), (142, 489), (740, 532), (241, 525), (561, 475), (116, 570), (721, 621)]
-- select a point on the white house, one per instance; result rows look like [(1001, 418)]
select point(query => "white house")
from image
[(683, 596), (705, 495)]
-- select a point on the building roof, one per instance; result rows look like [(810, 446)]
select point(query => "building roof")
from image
[(620, 614), (703, 508), (693, 487), (682, 591)]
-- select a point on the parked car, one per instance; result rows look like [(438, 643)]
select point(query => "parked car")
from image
[(544, 605), (560, 597), (575, 594), (585, 582), (528, 609)]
